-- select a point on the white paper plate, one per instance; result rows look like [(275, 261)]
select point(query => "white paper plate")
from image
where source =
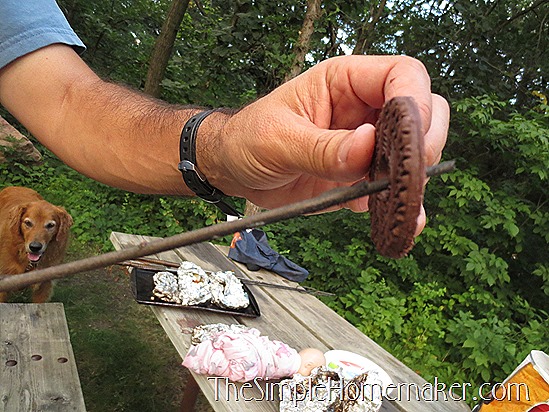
[(353, 364)]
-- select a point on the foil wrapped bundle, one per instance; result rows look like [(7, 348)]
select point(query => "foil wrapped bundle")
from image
[(327, 391), (207, 332), (227, 291), (166, 286), (192, 285)]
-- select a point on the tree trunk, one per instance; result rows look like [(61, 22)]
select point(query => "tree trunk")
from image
[(164, 46), (365, 32), (300, 49), (302, 46)]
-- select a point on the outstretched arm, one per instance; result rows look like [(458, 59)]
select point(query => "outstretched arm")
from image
[(309, 135)]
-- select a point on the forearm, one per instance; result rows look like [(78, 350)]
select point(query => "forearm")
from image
[(133, 138), (105, 131)]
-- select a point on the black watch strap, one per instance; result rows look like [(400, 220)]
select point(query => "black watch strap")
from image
[(194, 179)]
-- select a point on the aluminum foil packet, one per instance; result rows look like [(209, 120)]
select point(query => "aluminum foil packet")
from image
[(166, 286), (192, 285), (207, 332), (227, 291), (327, 391)]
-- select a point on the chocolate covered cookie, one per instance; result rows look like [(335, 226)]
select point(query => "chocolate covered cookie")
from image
[(398, 156)]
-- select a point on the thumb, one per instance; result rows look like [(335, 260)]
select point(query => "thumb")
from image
[(338, 155)]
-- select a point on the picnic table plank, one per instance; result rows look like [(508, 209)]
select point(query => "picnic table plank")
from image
[(37, 371), (298, 319), (178, 323), (344, 336)]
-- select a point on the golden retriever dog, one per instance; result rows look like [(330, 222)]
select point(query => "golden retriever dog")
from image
[(33, 235)]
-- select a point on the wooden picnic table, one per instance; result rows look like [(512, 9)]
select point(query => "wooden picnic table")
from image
[(38, 370), (298, 319)]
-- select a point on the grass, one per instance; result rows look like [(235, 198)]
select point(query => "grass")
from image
[(125, 360)]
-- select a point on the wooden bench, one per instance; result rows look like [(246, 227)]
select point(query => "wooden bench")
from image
[(298, 319), (37, 371)]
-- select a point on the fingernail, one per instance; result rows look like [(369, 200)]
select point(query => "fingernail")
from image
[(362, 132)]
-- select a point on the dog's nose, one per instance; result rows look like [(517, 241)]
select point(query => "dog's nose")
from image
[(35, 247)]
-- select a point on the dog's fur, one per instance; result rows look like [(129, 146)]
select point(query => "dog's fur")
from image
[(33, 235)]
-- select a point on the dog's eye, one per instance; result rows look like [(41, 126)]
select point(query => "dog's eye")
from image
[(27, 223), (50, 225)]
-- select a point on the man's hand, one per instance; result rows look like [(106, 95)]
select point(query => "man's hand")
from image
[(317, 132)]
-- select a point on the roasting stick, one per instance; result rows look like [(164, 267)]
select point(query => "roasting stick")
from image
[(145, 263), (325, 200)]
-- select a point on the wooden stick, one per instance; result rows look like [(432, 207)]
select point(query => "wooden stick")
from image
[(324, 201), (160, 262)]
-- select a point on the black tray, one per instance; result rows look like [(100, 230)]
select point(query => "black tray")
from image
[(142, 285)]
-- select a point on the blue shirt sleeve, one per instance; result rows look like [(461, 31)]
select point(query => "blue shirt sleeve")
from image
[(28, 25)]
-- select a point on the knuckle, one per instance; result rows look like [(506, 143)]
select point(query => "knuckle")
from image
[(415, 64)]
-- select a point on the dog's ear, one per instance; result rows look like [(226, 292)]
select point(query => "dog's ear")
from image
[(65, 222), (15, 217)]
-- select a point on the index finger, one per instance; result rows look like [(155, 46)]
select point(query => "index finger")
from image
[(408, 77), (376, 79)]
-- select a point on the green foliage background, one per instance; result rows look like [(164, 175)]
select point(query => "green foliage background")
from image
[(472, 299)]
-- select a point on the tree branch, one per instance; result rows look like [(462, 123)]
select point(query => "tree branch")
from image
[(521, 13)]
